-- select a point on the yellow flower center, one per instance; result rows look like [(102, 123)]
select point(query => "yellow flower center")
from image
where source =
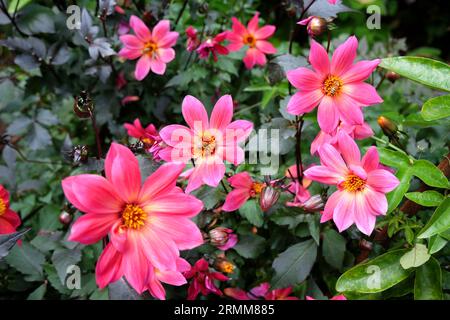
[(226, 267), (2, 207), (150, 48), (353, 183), (250, 41), (207, 146), (257, 187), (133, 216), (332, 86), (147, 141)]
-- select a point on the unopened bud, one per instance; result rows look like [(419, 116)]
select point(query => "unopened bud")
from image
[(78, 154), (219, 236), (392, 76), (269, 197), (223, 265), (317, 26), (83, 105), (387, 125), (65, 218), (315, 203)]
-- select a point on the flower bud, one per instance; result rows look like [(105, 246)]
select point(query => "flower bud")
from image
[(83, 105), (392, 76), (387, 125), (269, 197), (65, 218), (219, 236), (316, 26), (223, 265), (78, 154), (315, 203)]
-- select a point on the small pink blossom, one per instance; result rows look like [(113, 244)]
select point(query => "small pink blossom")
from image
[(223, 238), (123, 28), (203, 280), (153, 48), (149, 136), (337, 87), (361, 184), (244, 188), (253, 37), (261, 292), (192, 39), (213, 46), (9, 219)]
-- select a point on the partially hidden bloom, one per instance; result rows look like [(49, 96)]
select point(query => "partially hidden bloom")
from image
[(338, 297), (9, 220), (147, 224), (361, 184), (203, 280), (244, 188), (337, 87), (300, 190), (192, 39), (253, 37), (120, 81), (149, 136), (153, 48), (213, 46), (123, 27), (261, 292), (355, 131), (223, 238), (207, 142)]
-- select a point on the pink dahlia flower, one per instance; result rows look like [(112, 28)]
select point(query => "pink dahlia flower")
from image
[(361, 184), (147, 224), (213, 46), (9, 220), (244, 188), (192, 39), (337, 87), (153, 48), (203, 280), (149, 136), (261, 292), (207, 142), (355, 131), (253, 37)]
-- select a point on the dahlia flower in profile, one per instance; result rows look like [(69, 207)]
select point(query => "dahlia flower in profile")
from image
[(213, 46), (223, 238), (207, 142), (153, 48), (203, 280), (192, 39), (253, 37), (149, 136), (338, 297), (244, 188), (361, 184), (355, 131), (9, 220), (147, 224), (261, 292), (337, 88)]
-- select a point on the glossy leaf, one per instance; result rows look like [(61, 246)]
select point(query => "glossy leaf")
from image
[(436, 108), (427, 198), (439, 221), (428, 283)]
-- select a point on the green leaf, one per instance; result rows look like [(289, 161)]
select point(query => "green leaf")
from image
[(63, 258), (416, 257), (439, 221), (436, 243), (333, 248), (121, 290), (428, 283), (426, 71), (252, 212), (436, 108), (430, 174), (395, 196), (250, 246), (393, 158), (294, 265), (427, 198), (39, 293), (27, 260), (376, 275)]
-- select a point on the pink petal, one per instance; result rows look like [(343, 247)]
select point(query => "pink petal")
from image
[(169, 40), (344, 211), (382, 180), (376, 201), (92, 194), (236, 42), (265, 47), (235, 199), (171, 277), (254, 56), (364, 220), (304, 102), (213, 171), (155, 287), (195, 180), (136, 267), (348, 148), (160, 182), (130, 54), (166, 55), (327, 114), (238, 131), (6, 227), (331, 158), (157, 66), (140, 29), (252, 26), (363, 93), (222, 113), (371, 159), (160, 30), (90, 228), (182, 231), (233, 154), (344, 56), (360, 71), (132, 42), (175, 205), (332, 201), (176, 135), (12, 217), (238, 27), (349, 109), (318, 57), (195, 114), (241, 180), (304, 79), (362, 131), (142, 67), (159, 249), (122, 170), (264, 32), (323, 174), (109, 266)]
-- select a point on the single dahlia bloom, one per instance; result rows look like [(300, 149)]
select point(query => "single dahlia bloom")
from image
[(338, 297), (213, 46), (337, 87), (355, 131), (203, 280), (244, 188), (207, 142), (253, 37), (192, 39), (149, 136), (361, 184), (9, 220), (147, 224), (261, 292), (153, 48)]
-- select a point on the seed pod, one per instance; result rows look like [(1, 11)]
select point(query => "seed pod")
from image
[(269, 197), (388, 126), (392, 76), (83, 105)]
